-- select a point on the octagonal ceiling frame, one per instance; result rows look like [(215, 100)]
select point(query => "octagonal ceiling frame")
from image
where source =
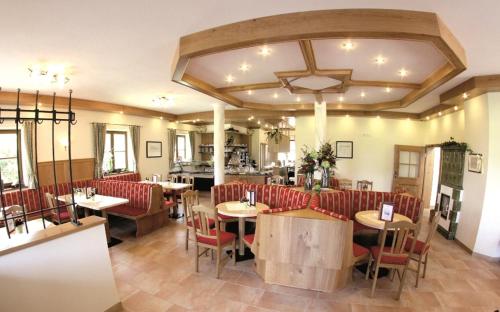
[(326, 24)]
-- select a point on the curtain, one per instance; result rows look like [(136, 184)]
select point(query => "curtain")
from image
[(99, 143), (28, 127), (172, 142), (191, 142), (135, 133)]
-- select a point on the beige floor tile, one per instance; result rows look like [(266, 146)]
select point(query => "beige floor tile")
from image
[(282, 302), (144, 302), (245, 294)]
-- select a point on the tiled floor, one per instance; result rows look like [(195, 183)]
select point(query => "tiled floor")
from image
[(155, 273)]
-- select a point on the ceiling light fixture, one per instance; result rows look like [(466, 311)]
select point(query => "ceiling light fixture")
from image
[(267, 126), (403, 72), (249, 92), (427, 118), (161, 117), (298, 99), (347, 45), (275, 95), (440, 113), (264, 51), (380, 60), (388, 90), (245, 67), (50, 74), (341, 98), (455, 108), (465, 95), (229, 78), (363, 94), (258, 122), (163, 100), (121, 112), (346, 115), (378, 116)]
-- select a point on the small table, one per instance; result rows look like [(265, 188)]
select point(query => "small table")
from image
[(175, 188), (240, 211), (97, 203), (370, 219)]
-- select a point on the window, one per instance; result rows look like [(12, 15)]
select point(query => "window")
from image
[(181, 147), (8, 157), (115, 151)]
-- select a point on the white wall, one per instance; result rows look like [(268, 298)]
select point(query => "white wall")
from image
[(152, 129), (70, 273), (373, 141), (439, 130)]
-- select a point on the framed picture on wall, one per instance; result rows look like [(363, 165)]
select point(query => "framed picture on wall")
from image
[(476, 163), (153, 149), (344, 149)]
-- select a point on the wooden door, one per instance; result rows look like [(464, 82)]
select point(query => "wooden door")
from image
[(409, 164)]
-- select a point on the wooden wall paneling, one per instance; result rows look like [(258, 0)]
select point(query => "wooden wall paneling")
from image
[(83, 169)]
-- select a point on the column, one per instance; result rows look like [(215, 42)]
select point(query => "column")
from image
[(219, 140), (319, 123)]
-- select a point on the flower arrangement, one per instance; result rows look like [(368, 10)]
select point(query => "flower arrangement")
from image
[(326, 157), (308, 160)]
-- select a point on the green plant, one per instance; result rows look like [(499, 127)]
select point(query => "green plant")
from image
[(454, 143), (326, 156), (274, 134), (308, 160)]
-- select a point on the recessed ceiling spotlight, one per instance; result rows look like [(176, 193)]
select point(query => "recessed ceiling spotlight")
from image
[(347, 45), (194, 121), (264, 51), (249, 92), (427, 118), (251, 118), (198, 119), (363, 94), (440, 113), (275, 95), (346, 115), (341, 98), (380, 60), (465, 95), (378, 116), (403, 72), (388, 90), (244, 67), (298, 99), (267, 126), (283, 117), (408, 118), (161, 117), (229, 78), (121, 112), (258, 122), (455, 108)]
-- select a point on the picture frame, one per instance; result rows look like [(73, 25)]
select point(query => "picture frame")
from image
[(444, 205), (386, 211), (344, 149), (153, 149), (475, 163)]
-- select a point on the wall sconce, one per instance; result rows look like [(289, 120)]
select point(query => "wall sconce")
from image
[(64, 143)]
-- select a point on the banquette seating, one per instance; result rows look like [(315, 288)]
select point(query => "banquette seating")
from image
[(145, 200)]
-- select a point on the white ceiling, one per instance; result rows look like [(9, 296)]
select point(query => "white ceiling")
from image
[(122, 51)]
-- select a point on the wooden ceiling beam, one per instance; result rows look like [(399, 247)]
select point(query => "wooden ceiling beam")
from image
[(383, 84), (472, 87), (254, 86), (308, 54), (10, 98)]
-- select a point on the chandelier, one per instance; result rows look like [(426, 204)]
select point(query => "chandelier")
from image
[(50, 74)]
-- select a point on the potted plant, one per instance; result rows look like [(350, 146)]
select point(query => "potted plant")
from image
[(307, 166), (326, 162)]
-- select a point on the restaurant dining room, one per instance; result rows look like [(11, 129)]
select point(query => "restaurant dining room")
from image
[(249, 156)]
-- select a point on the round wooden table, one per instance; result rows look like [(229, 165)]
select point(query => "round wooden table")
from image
[(241, 211), (370, 219)]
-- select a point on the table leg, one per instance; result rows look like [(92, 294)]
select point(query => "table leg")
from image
[(86, 211), (241, 234), (106, 226)]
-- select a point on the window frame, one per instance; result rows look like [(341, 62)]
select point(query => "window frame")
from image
[(18, 152), (112, 147), (183, 137)]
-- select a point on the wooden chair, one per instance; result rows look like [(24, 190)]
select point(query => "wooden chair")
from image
[(57, 217), (277, 179), (173, 178), (364, 185), (188, 180), (421, 250), (345, 184), (393, 257), (189, 199), (211, 239)]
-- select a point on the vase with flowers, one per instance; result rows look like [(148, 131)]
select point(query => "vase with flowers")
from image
[(307, 166), (326, 161)]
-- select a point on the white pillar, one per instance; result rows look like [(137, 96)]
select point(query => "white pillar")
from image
[(219, 141), (319, 123)]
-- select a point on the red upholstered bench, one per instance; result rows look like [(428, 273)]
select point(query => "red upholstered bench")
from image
[(145, 207), (128, 176)]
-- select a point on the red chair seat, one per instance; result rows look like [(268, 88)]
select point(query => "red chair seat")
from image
[(359, 251), (64, 215), (249, 238), (168, 203), (126, 210), (225, 238), (211, 223), (224, 217), (419, 248), (399, 259)]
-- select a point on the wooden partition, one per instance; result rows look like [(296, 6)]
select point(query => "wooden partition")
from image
[(83, 169), (304, 249)]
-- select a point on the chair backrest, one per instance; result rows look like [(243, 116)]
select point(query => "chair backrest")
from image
[(189, 199), (203, 214), (432, 229), (188, 180), (364, 185), (51, 203), (277, 179), (173, 178), (400, 230)]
